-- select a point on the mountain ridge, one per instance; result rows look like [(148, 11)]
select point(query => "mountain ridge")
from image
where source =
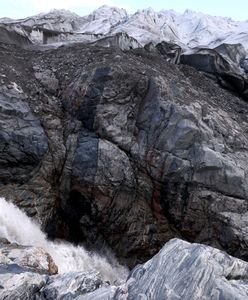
[(189, 29)]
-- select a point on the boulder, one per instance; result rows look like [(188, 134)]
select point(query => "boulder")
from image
[(187, 271), (182, 271), (36, 259), (244, 65), (71, 285)]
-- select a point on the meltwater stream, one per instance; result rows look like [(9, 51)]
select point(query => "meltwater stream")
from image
[(17, 227)]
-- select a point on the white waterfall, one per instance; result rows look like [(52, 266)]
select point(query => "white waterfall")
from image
[(17, 227)]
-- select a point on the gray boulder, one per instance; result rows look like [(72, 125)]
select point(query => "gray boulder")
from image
[(71, 285), (34, 259), (244, 65), (187, 271)]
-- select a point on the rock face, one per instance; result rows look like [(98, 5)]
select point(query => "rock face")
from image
[(23, 141), (124, 149)]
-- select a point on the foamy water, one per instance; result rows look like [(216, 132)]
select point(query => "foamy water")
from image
[(17, 227)]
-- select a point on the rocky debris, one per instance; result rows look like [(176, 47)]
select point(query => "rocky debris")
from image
[(112, 27), (179, 271), (26, 273), (47, 80)]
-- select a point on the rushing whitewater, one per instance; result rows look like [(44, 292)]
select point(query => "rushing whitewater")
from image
[(17, 227)]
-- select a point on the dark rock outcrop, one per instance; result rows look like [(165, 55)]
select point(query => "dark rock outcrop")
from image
[(22, 139), (123, 148)]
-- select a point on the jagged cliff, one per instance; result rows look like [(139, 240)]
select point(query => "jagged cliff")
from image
[(123, 148)]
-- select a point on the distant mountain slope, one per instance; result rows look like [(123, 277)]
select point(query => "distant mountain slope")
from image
[(189, 29)]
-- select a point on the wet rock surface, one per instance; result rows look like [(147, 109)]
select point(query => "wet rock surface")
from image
[(34, 259), (123, 148), (26, 273)]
